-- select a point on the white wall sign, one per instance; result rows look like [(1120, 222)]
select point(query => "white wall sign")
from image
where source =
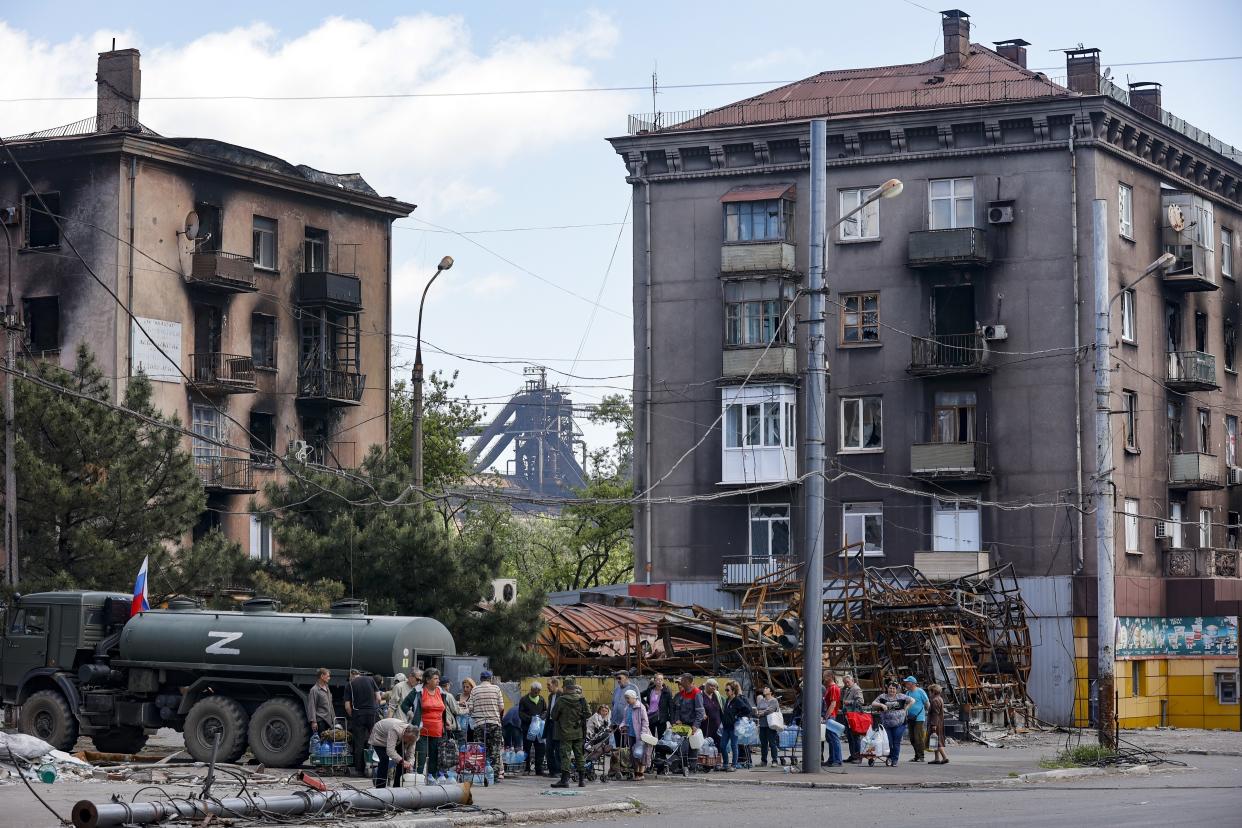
[(147, 357)]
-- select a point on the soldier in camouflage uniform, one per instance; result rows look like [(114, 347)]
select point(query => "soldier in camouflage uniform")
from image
[(570, 716)]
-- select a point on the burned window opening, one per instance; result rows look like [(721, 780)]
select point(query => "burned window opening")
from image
[(41, 229), (263, 340), (42, 318)]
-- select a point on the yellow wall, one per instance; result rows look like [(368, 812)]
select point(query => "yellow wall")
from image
[(1186, 685), (598, 689)]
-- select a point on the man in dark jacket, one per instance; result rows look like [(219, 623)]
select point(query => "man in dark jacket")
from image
[(659, 711), (362, 700), (688, 711), (532, 705), (570, 716), (551, 733)]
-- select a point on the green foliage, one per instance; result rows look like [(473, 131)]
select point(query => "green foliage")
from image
[(616, 410), (97, 489), (204, 570), (444, 420), (400, 558), (297, 597), (1079, 756)]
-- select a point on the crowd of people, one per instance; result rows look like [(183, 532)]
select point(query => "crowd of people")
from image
[(416, 726)]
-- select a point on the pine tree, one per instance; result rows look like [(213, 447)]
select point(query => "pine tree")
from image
[(97, 489)]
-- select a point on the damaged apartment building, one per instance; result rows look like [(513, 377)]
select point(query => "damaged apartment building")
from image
[(959, 417), (261, 289)]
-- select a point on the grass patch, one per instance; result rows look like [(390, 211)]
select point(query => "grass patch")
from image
[(1077, 757)]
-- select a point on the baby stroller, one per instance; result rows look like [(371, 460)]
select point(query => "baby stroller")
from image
[(875, 743), (596, 751), (671, 754)]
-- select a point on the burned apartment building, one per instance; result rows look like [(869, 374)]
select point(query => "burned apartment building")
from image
[(266, 285), (960, 410)]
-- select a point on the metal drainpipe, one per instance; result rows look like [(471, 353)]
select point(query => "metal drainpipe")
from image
[(388, 334), (647, 401), (1078, 548), (129, 347)]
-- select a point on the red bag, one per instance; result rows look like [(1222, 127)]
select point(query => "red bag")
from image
[(859, 723)]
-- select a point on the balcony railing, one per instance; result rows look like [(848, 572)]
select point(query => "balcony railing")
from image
[(331, 386), (776, 361), (952, 354), (958, 247), (336, 290), (223, 373), (743, 570), (225, 474), (1195, 471), (950, 461), (774, 256), (1192, 371), (1183, 562), (227, 272)]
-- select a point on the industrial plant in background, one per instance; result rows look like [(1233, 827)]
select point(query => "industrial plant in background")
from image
[(538, 422)]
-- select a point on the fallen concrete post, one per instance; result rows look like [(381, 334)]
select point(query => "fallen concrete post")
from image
[(87, 814)]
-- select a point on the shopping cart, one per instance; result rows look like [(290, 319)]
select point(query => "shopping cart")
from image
[(330, 751), (472, 762)]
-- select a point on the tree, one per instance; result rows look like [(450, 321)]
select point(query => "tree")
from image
[(368, 533), (616, 410), (97, 489), (205, 570), (297, 597), (445, 419)]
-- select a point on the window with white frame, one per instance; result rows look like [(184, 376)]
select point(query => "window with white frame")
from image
[(1205, 528), (862, 424), (758, 424), (758, 444), (1231, 440), (950, 203), (1205, 223), (1130, 399), (207, 425), (863, 523), (260, 538), (955, 526), (1132, 526), (1129, 331), (769, 530), (1177, 514), (264, 247), (1226, 253), (1125, 210), (866, 223)]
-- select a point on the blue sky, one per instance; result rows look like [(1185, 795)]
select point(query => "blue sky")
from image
[(500, 162)]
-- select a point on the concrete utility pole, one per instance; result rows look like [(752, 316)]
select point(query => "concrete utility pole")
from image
[(11, 325), (1102, 500), (416, 450), (815, 375)]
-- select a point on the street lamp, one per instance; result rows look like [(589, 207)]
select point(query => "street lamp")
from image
[(816, 385), (416, 452)]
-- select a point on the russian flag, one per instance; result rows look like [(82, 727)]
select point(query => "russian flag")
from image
[(140, 601)]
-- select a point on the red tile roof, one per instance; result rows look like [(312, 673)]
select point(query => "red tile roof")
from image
[(985, 77)]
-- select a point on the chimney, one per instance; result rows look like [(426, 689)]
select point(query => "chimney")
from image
[(1145, 97), (119, 86), (1083, 68), (956, 25), (1013, 51)]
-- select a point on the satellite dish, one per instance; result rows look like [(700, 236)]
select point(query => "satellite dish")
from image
[(191, 225), (1177, 220)]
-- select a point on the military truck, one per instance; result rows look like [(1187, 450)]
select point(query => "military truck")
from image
[(76, 664)]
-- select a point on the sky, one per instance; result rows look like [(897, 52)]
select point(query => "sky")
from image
[(520, 185)]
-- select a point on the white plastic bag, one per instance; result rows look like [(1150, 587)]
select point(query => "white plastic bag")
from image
[(696, 739), (775, 720)]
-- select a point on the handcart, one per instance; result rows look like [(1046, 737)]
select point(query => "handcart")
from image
[(472, 760), (874, 743), (329, 752)]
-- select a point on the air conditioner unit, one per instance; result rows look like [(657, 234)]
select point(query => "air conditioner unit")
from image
[(994, 333), (1164, 529), (504, 591), (1000, 212), (1235, 476)]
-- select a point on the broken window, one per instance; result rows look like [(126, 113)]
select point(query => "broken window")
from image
[(769, 530), (860, 318), (863, 523), (861, 424), (954, 417), (315, 251), (866, 223), (208, 239), (1128, 329), (1130, 398), (264, 246), (1205, 431), (40, 227), (757, 313), (1125, 210), (1231, 346), (263, 340), (1231, 440), (262, 437), (42, 317), (1175, 427), (260, 538), (770, 220)]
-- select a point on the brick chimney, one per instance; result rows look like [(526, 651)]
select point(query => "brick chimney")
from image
[(1083, 68), (956, 25), (1013, 51), (1145, 97), (119, 86)]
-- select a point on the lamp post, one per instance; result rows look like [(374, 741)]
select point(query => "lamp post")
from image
[(416, 452), (1102, 494), (813, 444), (11, 568)]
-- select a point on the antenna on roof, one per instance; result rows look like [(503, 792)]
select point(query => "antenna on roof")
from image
[(114, 44), (655, 86)]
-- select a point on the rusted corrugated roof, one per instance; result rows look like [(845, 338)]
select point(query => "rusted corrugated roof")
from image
[(760, 192), (984, 77)]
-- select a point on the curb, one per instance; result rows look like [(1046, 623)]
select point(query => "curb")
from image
[(540, 815), (1196, 752)]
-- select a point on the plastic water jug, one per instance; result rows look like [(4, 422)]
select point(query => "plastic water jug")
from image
[(410, 780), (47, 773), (314, 745), (490, 776), (451, 776)]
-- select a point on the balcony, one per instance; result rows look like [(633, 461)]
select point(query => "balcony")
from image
[(743, 570), (325, 385), (756, 257), (226, 475), (1194, 471), (777, 361), (222, 373), (1191, 371), (1184, 562), (222, 272), (955, 354), (950, 461), (333, 290), (950, 565), (1194, 270), (959, 247)]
